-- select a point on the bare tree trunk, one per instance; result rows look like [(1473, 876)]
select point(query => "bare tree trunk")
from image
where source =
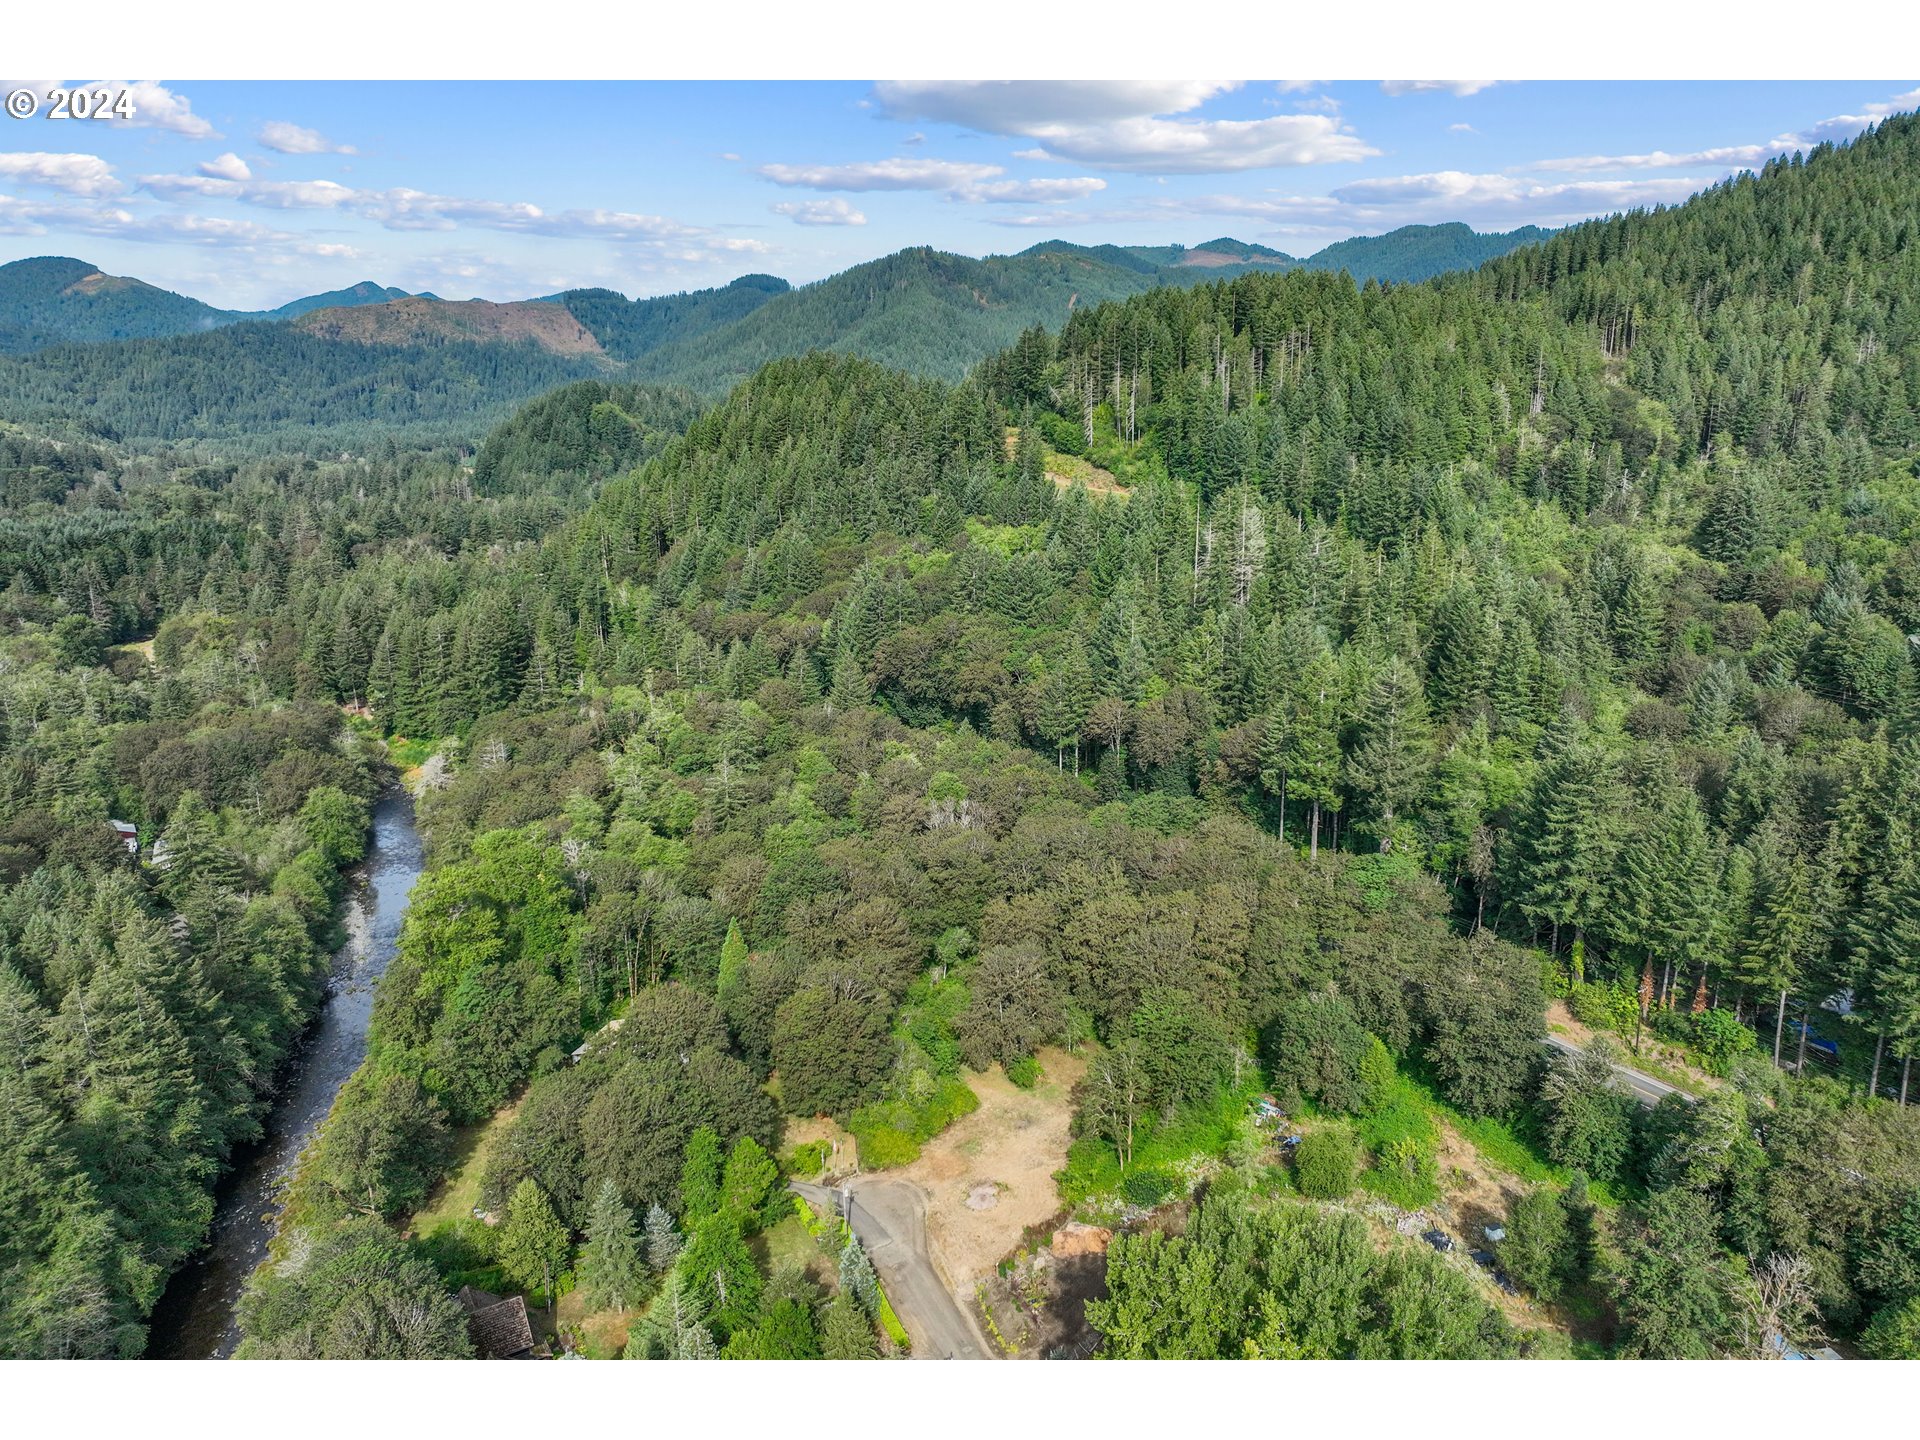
[(1313, 840), (1779, 1028), (1873, 1082), (1906, 1070), (1800, 1064)]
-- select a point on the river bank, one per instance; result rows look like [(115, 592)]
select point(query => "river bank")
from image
[(196, 1319)]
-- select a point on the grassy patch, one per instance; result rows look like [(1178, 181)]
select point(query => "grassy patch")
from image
[(1197, 1134), (890, 1322), (1404, 1142), (460, 1246), (793, 1241), (1505, 1145), (1066, 471), (407, 753)]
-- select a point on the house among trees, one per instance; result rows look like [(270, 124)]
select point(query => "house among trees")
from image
[(129, 835), (500, 1328)]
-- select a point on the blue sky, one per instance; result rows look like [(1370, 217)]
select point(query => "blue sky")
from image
[(247, 194)]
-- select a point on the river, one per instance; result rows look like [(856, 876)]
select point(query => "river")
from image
[(195, 1319)]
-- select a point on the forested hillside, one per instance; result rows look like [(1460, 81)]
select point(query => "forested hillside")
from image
[(266, 388), (146, 1008), (938, 314), (51, 299), (631, 328), (1419, 252), (920, 310), (579, 435), (1266, 683), (419, 370)]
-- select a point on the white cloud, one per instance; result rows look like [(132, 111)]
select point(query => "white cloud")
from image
[(1061, 219), (226, 167), (1019, 107), (1033, 192), (154, 105), (1841, 127), (1462, 128), (1430, 87), (819, 212), (1734, 156), (960, 180), (730, 157), (1124, 124), (291, 139), (899, 173), (1488, 202), (406, 209), (1458, 191), (272, 194), (1198, 147), (75, 174), (1737, 157), (915, 139), (165, 227), (157, 107), (1295, 87)]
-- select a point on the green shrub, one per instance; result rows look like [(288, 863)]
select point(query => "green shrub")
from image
[(1024, 1072), (1323, 1163), (941, 1102), (1062, 434), (1147, 1187), (808, 1159), (1673, 1025), (1720, 1039), (1407, 1172), (951, 1099), (1377, 1075), (1605, 1007), (1553, 978), (1894, 1333), (884, 1148)]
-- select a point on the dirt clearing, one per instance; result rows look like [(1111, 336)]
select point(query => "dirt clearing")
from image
[(989, 1175)]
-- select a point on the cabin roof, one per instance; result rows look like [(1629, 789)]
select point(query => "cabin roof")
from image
[(500, 1328)]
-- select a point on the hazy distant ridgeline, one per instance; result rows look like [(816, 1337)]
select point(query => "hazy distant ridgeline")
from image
[(325, 372)]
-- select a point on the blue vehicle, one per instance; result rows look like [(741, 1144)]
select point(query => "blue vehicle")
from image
[(1817, 1044)]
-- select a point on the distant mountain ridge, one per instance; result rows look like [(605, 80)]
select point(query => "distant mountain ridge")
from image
[(939, 314), (99, 349), (56, 299), (367, 292)]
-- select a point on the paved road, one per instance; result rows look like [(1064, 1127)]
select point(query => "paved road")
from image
[(889, 1216), (1647, 1090)]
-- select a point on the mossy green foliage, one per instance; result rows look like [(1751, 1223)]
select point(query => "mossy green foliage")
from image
[(1403, 1142), (1324, 1163), (891, 1132), (1200, 1132)]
